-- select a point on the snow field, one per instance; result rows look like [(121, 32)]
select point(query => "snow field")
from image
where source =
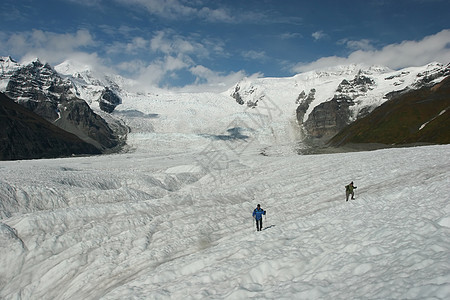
[(144, 227)]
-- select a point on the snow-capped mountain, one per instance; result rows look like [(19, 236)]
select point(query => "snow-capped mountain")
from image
[(99, 89), (278, 111), (7, 67), (411, 117), (26, 135), (38, 87), (325, 101), (311, 106)]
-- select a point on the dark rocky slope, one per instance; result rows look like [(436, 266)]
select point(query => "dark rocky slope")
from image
[(411, 117), (42, 90), (26, 135)]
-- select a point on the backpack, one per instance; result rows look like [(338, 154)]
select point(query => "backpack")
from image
[(347, 188)]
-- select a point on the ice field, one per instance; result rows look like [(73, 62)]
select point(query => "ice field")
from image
[(137, 226)]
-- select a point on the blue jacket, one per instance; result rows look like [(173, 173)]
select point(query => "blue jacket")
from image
[(258, 213)]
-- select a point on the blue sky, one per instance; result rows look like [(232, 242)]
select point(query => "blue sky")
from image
[(212, 43)]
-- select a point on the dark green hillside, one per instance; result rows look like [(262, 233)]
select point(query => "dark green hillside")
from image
[(418, 116)]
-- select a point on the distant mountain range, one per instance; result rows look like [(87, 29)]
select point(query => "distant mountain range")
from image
[(40, 89), (326, 101), (411, 117), (318, 106)]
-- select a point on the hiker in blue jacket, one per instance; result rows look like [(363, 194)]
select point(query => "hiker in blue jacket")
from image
[(257, 214)]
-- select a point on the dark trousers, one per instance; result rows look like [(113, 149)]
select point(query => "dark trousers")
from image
[(348, 193), (259, 224)]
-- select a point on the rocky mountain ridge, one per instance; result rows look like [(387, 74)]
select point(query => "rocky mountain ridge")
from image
[(326, 101), (26, 135), (41, 89), (419, 116), (314, 105), (98, 89)]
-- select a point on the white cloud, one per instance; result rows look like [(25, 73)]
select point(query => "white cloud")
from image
[(136, 44), (168, 9), (216, 15), (184, 9), (160, 43), (170, 55), (87, 2), (181, 55), (124, 30), (53, 48), (208, 80), (290, 35), (170, 43), (151, 75), (256, 55), (173, 9), (405, 54), (131, 67), (155, 72), (48, 46), (134, 47), (15, 43), (363, 44), (176, 63), (318, 35)]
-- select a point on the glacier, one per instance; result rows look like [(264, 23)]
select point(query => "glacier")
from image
[(176, 223)]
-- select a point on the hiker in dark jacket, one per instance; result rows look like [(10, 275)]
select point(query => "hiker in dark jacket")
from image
[(349, 191), (257, 214)]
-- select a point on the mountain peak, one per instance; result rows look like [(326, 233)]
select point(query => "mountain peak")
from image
[(30, 60), (7, 63), (70, 67), (7, 59), (7, 67)]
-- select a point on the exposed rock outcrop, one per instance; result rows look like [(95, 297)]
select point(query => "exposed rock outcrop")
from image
[(415, 116), (329, 117), (109, 100), (239, 98), (26, 135), (304, 103), (39, 88)]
